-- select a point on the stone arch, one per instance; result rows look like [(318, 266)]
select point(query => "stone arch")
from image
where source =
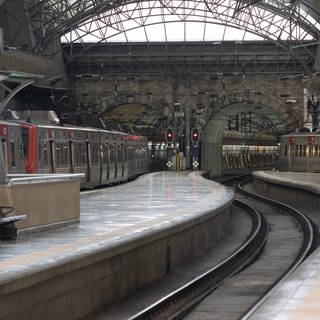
[(149, 110), (246, 97), (211, 138)]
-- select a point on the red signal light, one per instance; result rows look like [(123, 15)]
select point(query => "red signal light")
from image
[(195, 135), (169, 135)]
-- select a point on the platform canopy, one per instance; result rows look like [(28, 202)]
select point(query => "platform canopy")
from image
[(13, 81)]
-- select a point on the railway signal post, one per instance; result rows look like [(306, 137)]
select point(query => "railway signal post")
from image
[(195, 138)]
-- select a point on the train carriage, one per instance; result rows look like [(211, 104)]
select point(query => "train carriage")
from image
[(300, 152), (103, 156)]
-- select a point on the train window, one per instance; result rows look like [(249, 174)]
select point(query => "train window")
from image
[(58, 160), (94, 154), (39, 148), (104, 153), (45, 156), (59, 150), (64, 157), (119, 156), (25, 137), (12, 154), (84, 154), (65, 154), (285, 150), (304, 150), (80, 153), (75, 153), (112, 153)]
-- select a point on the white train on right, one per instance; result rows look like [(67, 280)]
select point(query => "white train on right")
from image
[(300, 152)]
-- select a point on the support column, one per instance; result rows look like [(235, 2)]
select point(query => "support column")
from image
[(317, 60), (187, 119)]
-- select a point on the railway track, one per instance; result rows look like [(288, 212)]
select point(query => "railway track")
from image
[(178, 303), (220, 284), (310, 240)]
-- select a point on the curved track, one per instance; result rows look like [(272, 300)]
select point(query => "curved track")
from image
[(229, 288), (179, 302), (291, 239)]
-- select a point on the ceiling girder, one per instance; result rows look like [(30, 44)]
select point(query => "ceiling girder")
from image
[(51, 19)]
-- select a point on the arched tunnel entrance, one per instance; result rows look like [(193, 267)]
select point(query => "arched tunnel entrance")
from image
[(212, 136)]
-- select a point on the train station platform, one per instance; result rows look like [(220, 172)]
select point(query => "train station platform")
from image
[(128, 236), (309, 181), (298, 296)]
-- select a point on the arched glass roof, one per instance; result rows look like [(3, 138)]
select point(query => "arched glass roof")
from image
[(173, 20)]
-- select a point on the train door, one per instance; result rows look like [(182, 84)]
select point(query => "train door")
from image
[(71, 155), (310, 153), (29, 134), (94, 161), (291, 151), (44, 152), (112, 161), (62, 155), (52, 159), (79, 154), (130, 160), (3, 133), (145, 156), (120, 160), (15, 159), (86, 160), (104, 163), (126, 160)]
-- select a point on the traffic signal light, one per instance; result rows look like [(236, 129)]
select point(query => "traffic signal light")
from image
[(195, 135), (169, 134)]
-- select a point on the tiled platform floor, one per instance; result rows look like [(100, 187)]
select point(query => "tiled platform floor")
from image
[(112, 215)]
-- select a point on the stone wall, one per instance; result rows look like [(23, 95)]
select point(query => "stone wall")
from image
[(207, 96)]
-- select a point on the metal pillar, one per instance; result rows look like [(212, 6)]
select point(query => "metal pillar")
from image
[(187, 119)]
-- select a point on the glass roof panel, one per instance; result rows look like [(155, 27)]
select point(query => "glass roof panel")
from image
[(175, 31), (156, 33), (177, 20)]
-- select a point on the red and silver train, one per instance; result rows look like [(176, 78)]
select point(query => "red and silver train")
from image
[(105, 157), (300, 152)]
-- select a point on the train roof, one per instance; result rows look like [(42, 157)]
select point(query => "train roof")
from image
[(307, 133), (73, 127)]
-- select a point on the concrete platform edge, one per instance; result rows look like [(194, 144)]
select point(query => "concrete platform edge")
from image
[(103, 271)]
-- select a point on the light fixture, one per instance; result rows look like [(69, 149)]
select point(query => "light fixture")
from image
[(287, 2)]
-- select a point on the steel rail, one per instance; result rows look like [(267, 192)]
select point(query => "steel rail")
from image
[(178, 303), (310, 239)]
